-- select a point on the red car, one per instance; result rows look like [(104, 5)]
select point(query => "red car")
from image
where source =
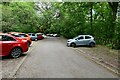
[(39, 36), (12, 46)]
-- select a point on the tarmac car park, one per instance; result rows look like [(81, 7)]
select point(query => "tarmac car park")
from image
[(14, 44)]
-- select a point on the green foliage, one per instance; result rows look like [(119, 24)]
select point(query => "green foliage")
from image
[(76, 17), (6, 18), (68, 19), (19, 16)]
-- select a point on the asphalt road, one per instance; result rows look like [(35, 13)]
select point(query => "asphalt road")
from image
[(50, 58)]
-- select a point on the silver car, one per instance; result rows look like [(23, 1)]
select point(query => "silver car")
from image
[(81, 40), (33, 36)]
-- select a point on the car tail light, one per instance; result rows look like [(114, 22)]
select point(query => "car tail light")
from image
[(24, 40)]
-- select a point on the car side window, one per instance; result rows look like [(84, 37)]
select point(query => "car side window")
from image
[(7, 38), (29, 34), (81, 37), (87, 37)]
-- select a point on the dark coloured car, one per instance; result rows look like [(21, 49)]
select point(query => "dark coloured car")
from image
[(39, 36)]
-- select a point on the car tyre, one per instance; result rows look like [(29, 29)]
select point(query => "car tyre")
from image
[(73, 45), (92, 44), (36, 39), (28, 43), (15, 52), (67, 45)]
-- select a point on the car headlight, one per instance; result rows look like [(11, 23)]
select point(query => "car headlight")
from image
[(68, 41)]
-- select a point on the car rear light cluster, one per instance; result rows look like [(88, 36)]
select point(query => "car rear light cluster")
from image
[(24, 40)]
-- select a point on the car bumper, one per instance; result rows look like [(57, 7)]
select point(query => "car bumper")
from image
[(25, 49), (68, 44)]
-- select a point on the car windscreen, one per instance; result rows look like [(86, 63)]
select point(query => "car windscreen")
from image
[(75, 37)]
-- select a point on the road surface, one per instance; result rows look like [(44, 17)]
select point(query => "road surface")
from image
[(50, 58)]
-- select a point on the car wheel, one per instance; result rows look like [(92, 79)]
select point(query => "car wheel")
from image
[(16, 52), (92, 44), (28, 43), (67, 45), (73, 45), (36, 39)]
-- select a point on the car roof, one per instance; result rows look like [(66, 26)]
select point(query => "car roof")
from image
[(4, 34), (7, 34), (85, 35), (31, 33)]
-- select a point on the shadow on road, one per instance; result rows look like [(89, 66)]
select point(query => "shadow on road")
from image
[(86, 46), (8, 57)]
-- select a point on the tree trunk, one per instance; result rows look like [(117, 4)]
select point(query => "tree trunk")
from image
[(113, 6), (91, 7)]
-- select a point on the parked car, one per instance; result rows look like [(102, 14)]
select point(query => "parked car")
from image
[(33, 36), (48, 34), (39, 36), (56, 35), (81, 40), (23, 36), (43, 35), (51, 35), (12, 46)]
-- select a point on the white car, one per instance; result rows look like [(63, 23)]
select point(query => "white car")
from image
[(44, 35), (55, 35)]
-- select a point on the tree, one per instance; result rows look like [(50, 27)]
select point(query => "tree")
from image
[(65, 18), (19, 16), (113, 6)]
